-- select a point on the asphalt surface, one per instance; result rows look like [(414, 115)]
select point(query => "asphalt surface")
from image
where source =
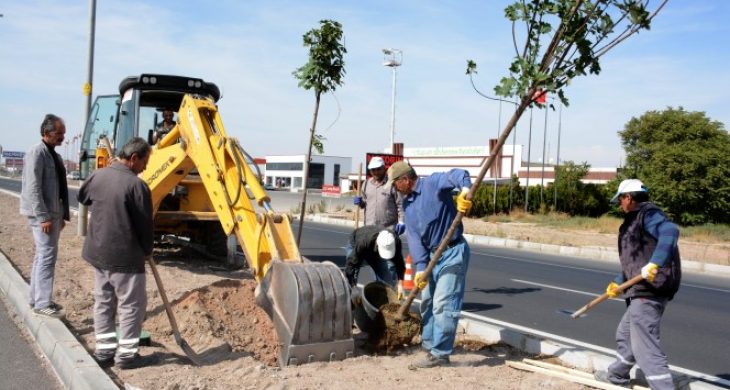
[(21, 367), (530, 289)]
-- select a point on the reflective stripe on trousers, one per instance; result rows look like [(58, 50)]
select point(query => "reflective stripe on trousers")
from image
[(638, 341), (118, 295)]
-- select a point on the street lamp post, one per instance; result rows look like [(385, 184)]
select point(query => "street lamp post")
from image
[(83, 211), (393, 59)]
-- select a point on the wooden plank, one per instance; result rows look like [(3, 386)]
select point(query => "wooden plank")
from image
[(550, 366), (557, 367), (562, 375)]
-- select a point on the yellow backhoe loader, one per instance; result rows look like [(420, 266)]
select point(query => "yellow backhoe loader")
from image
[(204, 189)]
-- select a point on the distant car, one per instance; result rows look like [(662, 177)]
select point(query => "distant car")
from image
[(74, 175), (270, 187)]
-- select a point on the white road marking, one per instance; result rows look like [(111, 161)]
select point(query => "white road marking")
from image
[(544, 263)]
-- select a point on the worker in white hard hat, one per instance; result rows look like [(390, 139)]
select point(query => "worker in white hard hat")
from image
[(647, 244), (382, 207), (379, 248)]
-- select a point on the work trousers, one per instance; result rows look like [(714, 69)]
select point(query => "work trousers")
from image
[(442, 298), (638, 338), (44, 262), (119, 295)]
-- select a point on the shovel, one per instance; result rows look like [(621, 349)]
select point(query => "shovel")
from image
[(194, 357), (625, 285)]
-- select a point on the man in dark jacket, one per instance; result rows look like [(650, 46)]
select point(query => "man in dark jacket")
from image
[(647, 246), (119, 240), (381, 249)]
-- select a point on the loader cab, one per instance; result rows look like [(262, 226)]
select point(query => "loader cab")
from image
[(144, 97), (135, 112)]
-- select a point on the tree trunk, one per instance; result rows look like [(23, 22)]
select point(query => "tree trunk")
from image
[(305, 180)]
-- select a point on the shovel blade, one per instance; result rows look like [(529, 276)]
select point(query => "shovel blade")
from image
[(208, 357), (571, 314)]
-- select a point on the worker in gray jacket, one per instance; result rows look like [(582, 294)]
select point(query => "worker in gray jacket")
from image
[(119, 240), (44, 200), (382, 207), (647, 246)]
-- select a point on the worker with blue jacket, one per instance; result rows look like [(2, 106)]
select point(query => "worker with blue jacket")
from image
[(429, 210)]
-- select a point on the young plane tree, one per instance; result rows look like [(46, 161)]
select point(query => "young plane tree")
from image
[(563, 39), (323, 72)]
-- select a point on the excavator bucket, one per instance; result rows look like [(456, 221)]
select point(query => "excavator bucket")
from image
[(309, 304)]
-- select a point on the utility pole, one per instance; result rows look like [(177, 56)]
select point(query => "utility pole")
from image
[(557, 158), (529, 149), (394, 59), (83, 211), (542, 174)]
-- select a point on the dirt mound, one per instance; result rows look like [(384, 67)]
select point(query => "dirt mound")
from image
[(224, 311), (394, 333)]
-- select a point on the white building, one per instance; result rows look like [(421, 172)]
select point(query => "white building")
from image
[(287, 172), (428, 160)]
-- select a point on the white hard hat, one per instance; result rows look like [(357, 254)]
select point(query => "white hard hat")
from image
[(376, 162), (629, 185), (386, 244)]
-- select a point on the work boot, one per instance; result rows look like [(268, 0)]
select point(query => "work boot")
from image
[(49, 311), (430, 361), (104, 362), (602, 376), (137, 362)]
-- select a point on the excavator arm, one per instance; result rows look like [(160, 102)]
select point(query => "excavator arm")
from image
[(308, 302)]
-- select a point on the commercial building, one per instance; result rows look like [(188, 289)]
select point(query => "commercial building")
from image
[(427, 160), (287, 172)]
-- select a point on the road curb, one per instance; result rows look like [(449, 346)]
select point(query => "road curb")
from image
[(71, 362), (588, 253)]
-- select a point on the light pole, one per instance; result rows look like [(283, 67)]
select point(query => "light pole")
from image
[(393, 58), (83, 211)]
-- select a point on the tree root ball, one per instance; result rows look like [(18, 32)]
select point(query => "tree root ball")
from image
[(395, 333)]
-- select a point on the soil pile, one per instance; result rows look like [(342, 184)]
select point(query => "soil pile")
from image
[(224, 311), (396, 332)]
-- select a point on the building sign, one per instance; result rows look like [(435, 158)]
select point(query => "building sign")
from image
[(16, 163), (448, 151), (388, 159), (9, 154), (331, 191)]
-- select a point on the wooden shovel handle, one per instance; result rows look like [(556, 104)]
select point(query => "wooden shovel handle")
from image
[(359, 193), (625, 285), (163, 295)]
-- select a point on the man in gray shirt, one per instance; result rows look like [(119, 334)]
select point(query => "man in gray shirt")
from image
[(44, 200), (382, 207), (120, 239)]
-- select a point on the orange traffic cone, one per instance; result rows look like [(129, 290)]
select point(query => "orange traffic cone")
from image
[(407, 281)]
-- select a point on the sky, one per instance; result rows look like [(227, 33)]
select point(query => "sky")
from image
[(250, 49)]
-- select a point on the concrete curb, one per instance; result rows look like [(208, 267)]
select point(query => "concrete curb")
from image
[(72, 364), (589, 253)]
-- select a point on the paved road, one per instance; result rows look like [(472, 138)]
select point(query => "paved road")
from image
[(21, 368), (281, 201), (528, 289)]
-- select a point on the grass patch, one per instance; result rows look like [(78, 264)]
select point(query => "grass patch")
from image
[(708, 233)]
